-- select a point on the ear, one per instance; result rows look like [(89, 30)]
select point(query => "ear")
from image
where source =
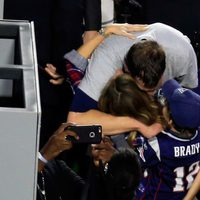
[(166, 114), (139, 81), (170, 123), (118, 72)]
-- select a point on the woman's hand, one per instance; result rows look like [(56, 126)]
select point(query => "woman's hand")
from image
[(56, 79), (151, 131), (125, 29)]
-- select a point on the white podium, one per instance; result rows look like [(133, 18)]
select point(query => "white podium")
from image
[(20, 111)]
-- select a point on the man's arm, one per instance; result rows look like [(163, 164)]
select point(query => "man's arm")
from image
[(92, 15), (56, 144)]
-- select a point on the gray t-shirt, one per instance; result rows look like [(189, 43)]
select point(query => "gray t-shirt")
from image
[(181, 62)]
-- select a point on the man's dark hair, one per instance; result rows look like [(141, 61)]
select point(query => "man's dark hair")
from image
[(123, 174), (146, 60)]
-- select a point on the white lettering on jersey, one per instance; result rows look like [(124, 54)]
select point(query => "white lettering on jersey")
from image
[(180, 151)]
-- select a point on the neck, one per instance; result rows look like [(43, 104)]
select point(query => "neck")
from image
[(185, 134)]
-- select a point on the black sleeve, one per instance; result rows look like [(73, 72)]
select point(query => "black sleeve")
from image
[(62, 181), (96, 180), (92, 15), (72, 184)]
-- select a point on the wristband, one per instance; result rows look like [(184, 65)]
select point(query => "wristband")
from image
[(103, 33), (41, 158)]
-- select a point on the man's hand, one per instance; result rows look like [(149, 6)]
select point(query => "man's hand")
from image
[(103, 151), (58, 143)]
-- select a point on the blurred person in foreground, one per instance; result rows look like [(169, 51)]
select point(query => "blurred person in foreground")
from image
[(113, 174)]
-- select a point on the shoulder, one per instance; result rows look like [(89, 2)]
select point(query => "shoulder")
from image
[(165, 32), (116, 42), (82, 101), (164, 27)]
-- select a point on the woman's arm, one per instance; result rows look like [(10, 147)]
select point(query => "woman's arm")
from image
[(118, 29), (112, 125)]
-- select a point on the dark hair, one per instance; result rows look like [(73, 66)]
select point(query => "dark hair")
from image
[(146, 60), (122, 97), (123, 174)]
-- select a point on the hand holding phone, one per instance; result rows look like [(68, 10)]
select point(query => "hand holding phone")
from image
[(89, 134)]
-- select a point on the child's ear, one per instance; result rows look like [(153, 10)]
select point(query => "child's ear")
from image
[(170, 123)]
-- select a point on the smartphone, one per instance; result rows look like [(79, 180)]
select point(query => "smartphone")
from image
[(89, 134)]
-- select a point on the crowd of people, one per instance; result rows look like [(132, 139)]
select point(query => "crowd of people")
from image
[(137, 82), (123, 96)]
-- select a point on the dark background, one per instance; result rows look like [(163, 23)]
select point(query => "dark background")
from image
[(183, 15)]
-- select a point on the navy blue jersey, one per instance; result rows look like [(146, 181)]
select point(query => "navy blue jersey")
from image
[(85, 104), (172, 164)]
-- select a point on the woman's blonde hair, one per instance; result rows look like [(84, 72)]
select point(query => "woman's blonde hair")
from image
[(122, 97)]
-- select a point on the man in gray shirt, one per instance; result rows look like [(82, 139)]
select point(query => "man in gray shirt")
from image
[(180, 62)]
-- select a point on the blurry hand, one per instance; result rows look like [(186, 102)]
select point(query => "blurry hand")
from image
[(103, 151), (57, 79), (151, 131)]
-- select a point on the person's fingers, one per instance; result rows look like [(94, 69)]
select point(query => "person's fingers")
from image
[(106, 138), (66, 124), (101, 152), (64, 143), (56, 81), (63, 128), (136, 27), (125, 29), (50, 66), (71, 133), (51, 70), (62, 131), (98, 146), (126, 34), (53, 73)]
